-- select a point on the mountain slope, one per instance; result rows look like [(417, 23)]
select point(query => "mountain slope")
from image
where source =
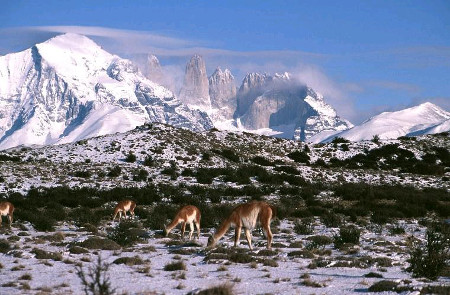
[(58, 90), (418, 120)]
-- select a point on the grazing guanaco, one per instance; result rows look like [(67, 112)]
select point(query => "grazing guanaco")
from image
[(246, 216), (7, 209), (123, 207), (188, 214)]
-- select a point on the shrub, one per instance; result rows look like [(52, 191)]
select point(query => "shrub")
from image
[(177, 265), (225, 289), (124, 234), (331, 219), (41, 254), (82, 173), (148, 161), (375, 138), (319, 241), (100, 243), (130, 261), (429, 260), (340, 140), (141, 175), (4, 246), (373, 275), (40, 221), (228, 154), (383, 286), (114, 171), (347, 235), (84, 215), (159, 216), (304, 226), (96, 281), (299, 156), (131, 157), (262, 161)]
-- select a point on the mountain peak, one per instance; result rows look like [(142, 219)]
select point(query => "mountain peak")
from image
[(412, 121), (70, 40)]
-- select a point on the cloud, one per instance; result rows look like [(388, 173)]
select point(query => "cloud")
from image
[(392, 85)]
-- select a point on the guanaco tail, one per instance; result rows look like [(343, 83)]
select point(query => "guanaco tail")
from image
[(7, 209), (246, 216), (123, 207), (188, 214)]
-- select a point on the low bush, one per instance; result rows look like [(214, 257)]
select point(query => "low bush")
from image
[(176, 265), (42, 254), (383, 286), (299, 156), (100, 244), (131, 157), (114, 171), (5, 246), (347, 235), (125, 234), (431, 259), (130, 261), (225, 289), (305, 226)]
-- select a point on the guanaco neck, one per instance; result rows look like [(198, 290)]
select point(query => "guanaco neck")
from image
[(222, 230), (174, 223)]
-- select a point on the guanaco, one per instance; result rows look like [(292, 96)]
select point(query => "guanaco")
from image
[(124, 206), (246, 216), (7, 209), (187, 214)]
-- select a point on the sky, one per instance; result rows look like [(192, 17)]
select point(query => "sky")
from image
[(365, 57)]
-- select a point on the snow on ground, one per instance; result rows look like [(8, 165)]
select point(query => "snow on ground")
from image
[(285, 276)]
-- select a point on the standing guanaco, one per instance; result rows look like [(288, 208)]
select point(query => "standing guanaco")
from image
[(7, 209), (246, 216), (124, 206), (187, 214)]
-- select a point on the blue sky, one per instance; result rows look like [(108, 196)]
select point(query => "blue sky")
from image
[(364, 56)]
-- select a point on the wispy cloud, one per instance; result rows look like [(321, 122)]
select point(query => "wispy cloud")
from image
[(392, 85)]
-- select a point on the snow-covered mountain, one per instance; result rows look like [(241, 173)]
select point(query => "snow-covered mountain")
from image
[(425, 118), (69, 88)]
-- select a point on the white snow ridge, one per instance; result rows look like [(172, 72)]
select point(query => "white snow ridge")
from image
[(425, 118), (69, 88)]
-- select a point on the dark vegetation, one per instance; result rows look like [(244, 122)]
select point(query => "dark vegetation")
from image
[(85, 206), (393, 157)]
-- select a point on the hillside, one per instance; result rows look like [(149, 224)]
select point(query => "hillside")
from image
[(165, 147), (348, 215)]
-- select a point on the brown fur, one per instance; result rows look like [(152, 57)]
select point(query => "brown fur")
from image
[(246, 216), (183, 216), (7, 209), (123, 207)]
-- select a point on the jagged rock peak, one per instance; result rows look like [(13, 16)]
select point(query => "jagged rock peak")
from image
[(154, 70), (195, 90), (253, 80), (222, 90)]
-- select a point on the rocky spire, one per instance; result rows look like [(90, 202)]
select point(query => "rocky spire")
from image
[(195, 90), (154, 71), (251, 87), (222, 89)]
